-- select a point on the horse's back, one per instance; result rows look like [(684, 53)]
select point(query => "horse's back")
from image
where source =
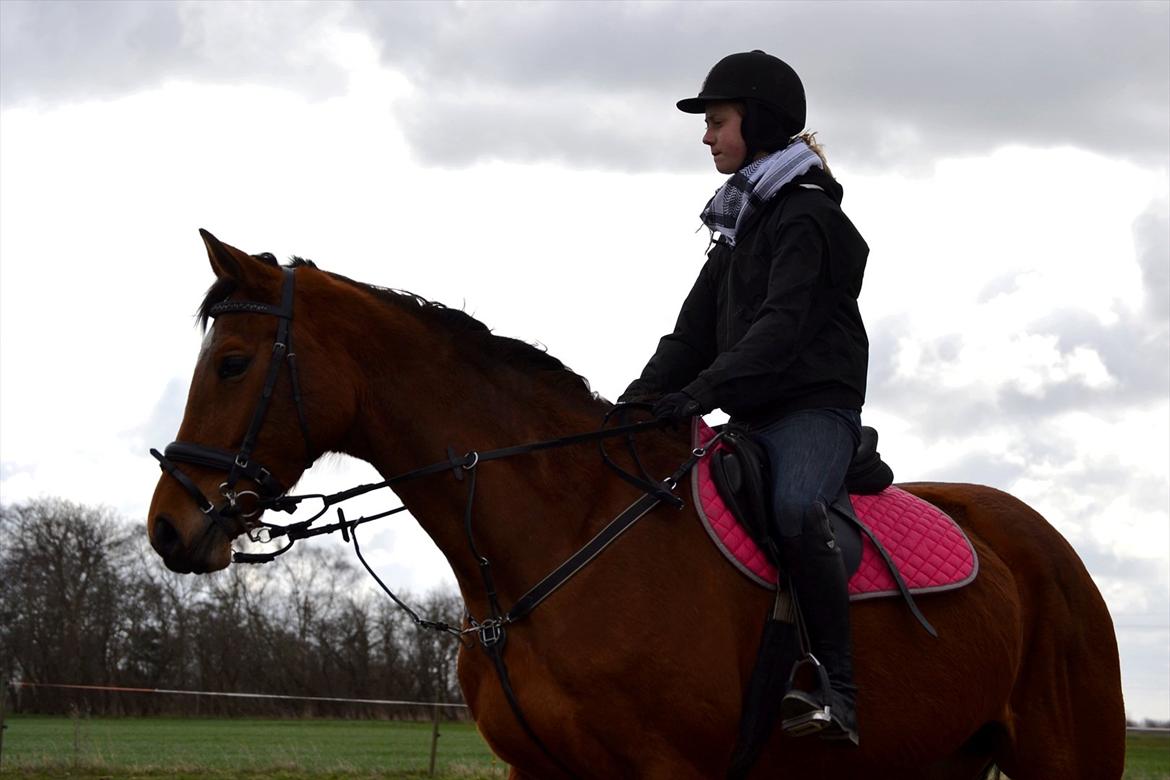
[(1051, 579)]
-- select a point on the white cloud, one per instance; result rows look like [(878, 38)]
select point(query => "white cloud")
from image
[(87, 49), (938, 79)]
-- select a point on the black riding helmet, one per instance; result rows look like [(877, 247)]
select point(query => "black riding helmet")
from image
[(770, 90)]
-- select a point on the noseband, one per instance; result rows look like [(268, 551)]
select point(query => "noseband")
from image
[(241, 464)]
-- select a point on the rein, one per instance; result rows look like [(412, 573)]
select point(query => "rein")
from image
[(468, 465), (459, 466), (270, 494)]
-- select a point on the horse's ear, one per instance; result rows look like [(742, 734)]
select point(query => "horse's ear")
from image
[(229, 262)]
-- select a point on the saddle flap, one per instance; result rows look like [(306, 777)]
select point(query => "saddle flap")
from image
[(846, 531), (730, 473), (740, 473)]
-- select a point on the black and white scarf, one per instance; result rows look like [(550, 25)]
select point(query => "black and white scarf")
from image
[(750, 187)]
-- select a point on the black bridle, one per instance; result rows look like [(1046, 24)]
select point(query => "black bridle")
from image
[(270, 494), (240, 464)]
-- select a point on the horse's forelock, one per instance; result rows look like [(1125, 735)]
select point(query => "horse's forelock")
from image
[(218, 292)]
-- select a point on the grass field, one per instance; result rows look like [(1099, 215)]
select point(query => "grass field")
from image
[(1147, 757), (186, 749), (36, 747)]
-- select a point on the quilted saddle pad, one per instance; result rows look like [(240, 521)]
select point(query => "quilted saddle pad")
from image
[(930, 550)]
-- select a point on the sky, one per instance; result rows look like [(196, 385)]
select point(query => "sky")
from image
[(1008, 164)]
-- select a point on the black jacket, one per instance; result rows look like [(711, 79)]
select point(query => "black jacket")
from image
[(771, 325)]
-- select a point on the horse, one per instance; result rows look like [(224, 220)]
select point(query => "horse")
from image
[(637, 666)]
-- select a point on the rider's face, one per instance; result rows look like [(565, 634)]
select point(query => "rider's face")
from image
[(723, 136)]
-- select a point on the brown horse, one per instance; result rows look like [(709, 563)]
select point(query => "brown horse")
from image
[(637, 666)]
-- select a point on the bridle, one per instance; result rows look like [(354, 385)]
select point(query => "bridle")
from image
[(269, 493), (240, 464)]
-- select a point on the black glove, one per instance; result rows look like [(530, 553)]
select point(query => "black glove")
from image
[(676, 406), (638, 393)]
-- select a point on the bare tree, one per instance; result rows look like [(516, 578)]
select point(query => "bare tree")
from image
[(83, 600), (60, 595)]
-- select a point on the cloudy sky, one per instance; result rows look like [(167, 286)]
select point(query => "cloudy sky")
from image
[(1009, 165)]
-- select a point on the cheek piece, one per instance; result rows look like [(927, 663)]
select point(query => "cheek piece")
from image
[(240, 464)]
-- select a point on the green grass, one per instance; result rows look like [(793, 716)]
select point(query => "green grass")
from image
[(1147, 757), (183, 747), (38, 748), (275, 773)]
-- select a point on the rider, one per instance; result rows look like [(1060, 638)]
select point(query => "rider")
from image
[(771, 333)]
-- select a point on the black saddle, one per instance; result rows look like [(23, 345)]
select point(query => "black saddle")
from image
[(743, 478)]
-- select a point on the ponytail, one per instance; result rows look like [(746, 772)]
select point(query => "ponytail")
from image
[(810, 138)]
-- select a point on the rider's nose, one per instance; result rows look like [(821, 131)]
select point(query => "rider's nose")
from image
[(166, 538)]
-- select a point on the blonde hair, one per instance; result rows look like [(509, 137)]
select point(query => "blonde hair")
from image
[(810, 138)]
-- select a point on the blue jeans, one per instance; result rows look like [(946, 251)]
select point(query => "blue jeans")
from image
[(809, 452)]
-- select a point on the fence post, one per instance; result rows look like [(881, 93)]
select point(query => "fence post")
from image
[(75, 716), (3, 698), (434, 738)]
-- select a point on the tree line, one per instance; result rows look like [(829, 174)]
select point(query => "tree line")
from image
[(84, 601)]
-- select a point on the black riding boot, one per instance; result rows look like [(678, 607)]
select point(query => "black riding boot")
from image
[(822, 592)]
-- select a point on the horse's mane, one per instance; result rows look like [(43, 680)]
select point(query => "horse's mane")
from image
[(512, 352)]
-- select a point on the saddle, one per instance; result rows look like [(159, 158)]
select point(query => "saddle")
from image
[(741, 474)]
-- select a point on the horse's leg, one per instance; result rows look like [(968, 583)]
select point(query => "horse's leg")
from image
[(1065, 717), (1072, 671)]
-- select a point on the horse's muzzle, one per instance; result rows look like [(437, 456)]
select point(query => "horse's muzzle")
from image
[(197, 558)]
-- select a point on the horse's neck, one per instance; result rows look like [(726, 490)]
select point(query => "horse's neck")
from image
[(528, 511)]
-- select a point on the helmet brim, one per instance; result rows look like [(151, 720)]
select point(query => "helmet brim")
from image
[(698, 105)]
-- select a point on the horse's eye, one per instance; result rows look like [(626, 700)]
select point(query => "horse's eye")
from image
[(233, 365)]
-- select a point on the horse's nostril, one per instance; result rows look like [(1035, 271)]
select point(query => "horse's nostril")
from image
[(166, 539)]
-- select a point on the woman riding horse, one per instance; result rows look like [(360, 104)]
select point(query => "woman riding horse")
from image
[(637, 666), (772, 334)]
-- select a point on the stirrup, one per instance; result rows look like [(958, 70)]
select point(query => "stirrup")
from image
[(817, 716), (813, 721)]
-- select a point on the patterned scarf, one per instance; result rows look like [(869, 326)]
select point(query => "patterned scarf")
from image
[(750, 187)]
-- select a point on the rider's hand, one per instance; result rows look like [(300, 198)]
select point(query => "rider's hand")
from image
[(638, 393), (676, 406)]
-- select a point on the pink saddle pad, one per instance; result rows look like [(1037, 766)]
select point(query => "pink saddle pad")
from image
[(930, 550)]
